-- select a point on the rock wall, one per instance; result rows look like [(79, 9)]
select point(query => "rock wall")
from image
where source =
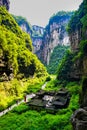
[(37, 42), (5, 3), (38, 30), (75, 38), (78, 36), (25, 27), (55, 34), (79, 66), (79, 117), (44, 40), (35, 32), (37, 38)]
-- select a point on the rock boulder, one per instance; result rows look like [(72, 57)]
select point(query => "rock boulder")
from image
[(79, 119)]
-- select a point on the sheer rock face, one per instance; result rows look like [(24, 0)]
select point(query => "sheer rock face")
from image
[(75, 38), (80, 64), (78, 69), (54, 36), (5, 3), (36, 33)]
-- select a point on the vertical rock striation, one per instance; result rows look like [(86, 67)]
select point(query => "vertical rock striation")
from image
[(78, 41), (55, 34)]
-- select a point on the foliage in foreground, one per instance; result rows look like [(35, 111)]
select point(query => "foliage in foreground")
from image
[(17, 59), (21, 118), (15, 90)]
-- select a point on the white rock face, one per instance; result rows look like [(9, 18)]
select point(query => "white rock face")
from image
[(57, 36)]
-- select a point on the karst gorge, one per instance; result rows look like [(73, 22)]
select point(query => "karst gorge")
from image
[(43, 71)]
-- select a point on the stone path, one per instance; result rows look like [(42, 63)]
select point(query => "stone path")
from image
[(29, 96), (43, 86), (11, 107)]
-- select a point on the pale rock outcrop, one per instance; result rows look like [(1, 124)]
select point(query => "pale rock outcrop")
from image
[(55, 35)]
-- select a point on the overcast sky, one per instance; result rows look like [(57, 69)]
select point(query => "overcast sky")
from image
[(38, 12)]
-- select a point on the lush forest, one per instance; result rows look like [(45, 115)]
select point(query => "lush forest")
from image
[(22, 117), (21, 73), (16, 60), (21, 20), (56, 57)]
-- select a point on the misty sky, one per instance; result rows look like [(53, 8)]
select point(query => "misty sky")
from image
[(38, 12)]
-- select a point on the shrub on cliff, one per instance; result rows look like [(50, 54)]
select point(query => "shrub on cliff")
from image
[(83, 47), (64, 67), (56, 57)]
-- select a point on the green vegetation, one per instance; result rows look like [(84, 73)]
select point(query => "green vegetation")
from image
[(65, 66), (15, 90), (82, 52), (56, 57), (83, 47), (83, 92), (58, 17), (21, 117), (78, 21), (17, 59), (22, 21), (30, 74), (16, 48)]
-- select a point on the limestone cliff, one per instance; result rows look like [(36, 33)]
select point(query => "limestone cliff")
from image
[(5, 3), (55, 34), (37, 38), (24, 24), (44, 40), (78, 41), (78, 37), (36, 32), (75, 38)]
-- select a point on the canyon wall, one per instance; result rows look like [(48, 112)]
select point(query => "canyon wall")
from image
[(55, 34), (44, 40), (78, 42), (35, 32)]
